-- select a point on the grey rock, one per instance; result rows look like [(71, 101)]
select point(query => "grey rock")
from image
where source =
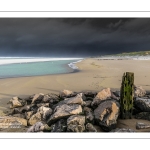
[(88, 103), (19, 116), (122, 130), (45, 112), (139, 91), (106, 114), (37, 127), (63, 111), (66, 93), (75, 123), (140, 125), (142, 104), (24, 109), (90, 128), (8, 121), (46, 98), (35, 118), (37, 98), (59, 126), (28, 114), (16, 102), (73, 100), (43, 104), (143, 115), (89, 116)]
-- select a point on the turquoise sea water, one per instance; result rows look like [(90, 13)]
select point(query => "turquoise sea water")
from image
[(35, 68)]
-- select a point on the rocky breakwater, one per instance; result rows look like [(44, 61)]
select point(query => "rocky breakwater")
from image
[(74, 112)]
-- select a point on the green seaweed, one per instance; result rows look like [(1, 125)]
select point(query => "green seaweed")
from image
[(126, 99)]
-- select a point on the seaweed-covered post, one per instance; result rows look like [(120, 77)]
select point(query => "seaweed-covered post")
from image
[(126, 95)]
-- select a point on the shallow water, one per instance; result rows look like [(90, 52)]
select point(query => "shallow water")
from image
[(34, 68)]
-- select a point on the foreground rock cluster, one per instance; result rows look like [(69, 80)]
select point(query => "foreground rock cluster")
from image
[(75, 112)]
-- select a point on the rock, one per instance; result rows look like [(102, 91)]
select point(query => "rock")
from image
[(16, 102), (37, 98), (46, 99), (66, 93), (142, 104), (139, 91), (143, 115), (140, 125), (102, 95), (63, 111), (122, 130), (89, 116), (90, 94), (43, 104), (28, 114), (35, 118), (59, 126), (75, 123), (19, 116), (9, 122), (34, 108), (73, 100), (24, 109), (117, 93), (45, 112), (37, 127), (113, 96), (15, 111), (106, 114), (88, 103), (90, 128)]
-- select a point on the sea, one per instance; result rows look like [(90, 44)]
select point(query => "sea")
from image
[(36, 66)]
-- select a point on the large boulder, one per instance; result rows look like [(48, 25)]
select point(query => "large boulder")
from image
[(45, 112), (139, 91), (75, 123), (37, 98), (12, 122), (106, 114), (73, 100), (102, 95), (16, 102), (89, 116), (64, 111), (59, 126), (142, 104), (35, 118)]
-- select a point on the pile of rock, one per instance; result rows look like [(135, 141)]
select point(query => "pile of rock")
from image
[(74, 112)]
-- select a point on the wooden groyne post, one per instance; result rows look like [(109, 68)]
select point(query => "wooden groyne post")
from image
[(126, 95)]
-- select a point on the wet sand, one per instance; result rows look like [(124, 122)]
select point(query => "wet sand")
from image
[(94, 75)]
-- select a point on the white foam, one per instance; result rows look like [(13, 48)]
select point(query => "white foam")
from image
[(73, 66), (12, 60)]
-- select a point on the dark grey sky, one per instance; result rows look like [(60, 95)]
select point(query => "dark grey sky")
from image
[(73, 37)]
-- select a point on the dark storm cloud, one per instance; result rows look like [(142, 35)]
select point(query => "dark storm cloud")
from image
[(63, 37)]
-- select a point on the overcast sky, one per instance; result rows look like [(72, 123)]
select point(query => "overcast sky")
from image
[(73, 37)]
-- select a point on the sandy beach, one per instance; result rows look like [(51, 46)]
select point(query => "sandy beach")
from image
[(94, 75)]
